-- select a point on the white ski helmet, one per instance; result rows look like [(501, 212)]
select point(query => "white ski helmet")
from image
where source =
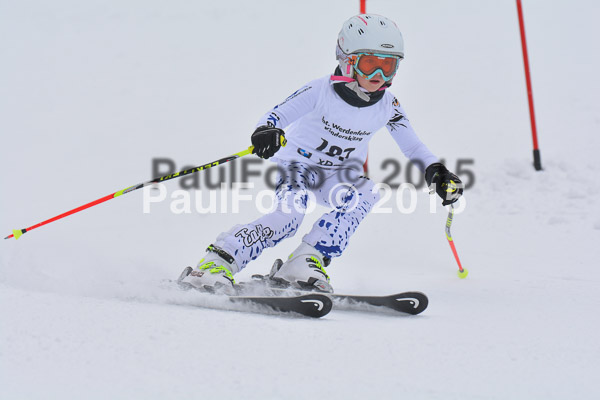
[(368, 33)]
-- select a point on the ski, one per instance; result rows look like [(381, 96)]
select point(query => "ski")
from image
[(313, 305), (406, 302)]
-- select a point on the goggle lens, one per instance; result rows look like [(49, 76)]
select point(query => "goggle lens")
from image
[(369, 64)]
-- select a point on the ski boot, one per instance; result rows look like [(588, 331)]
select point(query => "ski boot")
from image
[(213, 273), (304, 269)]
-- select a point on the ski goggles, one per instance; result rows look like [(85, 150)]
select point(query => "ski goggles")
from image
[(369, 64)]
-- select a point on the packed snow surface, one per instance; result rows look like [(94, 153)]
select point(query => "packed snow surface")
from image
[(93, 91)]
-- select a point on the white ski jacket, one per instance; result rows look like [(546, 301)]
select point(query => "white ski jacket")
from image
[(323, 129)]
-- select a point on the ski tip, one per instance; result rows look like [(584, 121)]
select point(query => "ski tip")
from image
[(411, 302)]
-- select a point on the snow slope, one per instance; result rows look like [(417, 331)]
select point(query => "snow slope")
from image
[(92, 91)]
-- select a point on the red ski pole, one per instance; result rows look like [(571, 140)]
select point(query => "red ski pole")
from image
[(462, 272), (17, 233)]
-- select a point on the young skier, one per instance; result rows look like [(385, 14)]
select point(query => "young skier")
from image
[(328, 123)]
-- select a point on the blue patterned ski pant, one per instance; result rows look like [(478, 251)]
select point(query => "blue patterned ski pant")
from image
[(350, 195)]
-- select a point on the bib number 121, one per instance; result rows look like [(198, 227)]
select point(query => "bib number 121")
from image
[(335, 151)]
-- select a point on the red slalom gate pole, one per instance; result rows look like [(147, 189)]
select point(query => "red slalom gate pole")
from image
[(537, 162), (363, 10)]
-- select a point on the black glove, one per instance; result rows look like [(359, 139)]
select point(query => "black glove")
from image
[(447, 185), (267, 140)]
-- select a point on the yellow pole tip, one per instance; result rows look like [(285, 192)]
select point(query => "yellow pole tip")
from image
[(17, 233), (462, 274)]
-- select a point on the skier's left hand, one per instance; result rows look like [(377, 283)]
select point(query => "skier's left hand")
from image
[(447, 185)]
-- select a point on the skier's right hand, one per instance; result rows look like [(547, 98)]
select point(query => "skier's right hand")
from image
[(267, 140)]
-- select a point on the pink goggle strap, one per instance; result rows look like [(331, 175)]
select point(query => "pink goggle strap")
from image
[(341, 78)]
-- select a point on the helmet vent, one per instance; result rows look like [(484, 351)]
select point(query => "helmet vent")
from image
[(360, 31)]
